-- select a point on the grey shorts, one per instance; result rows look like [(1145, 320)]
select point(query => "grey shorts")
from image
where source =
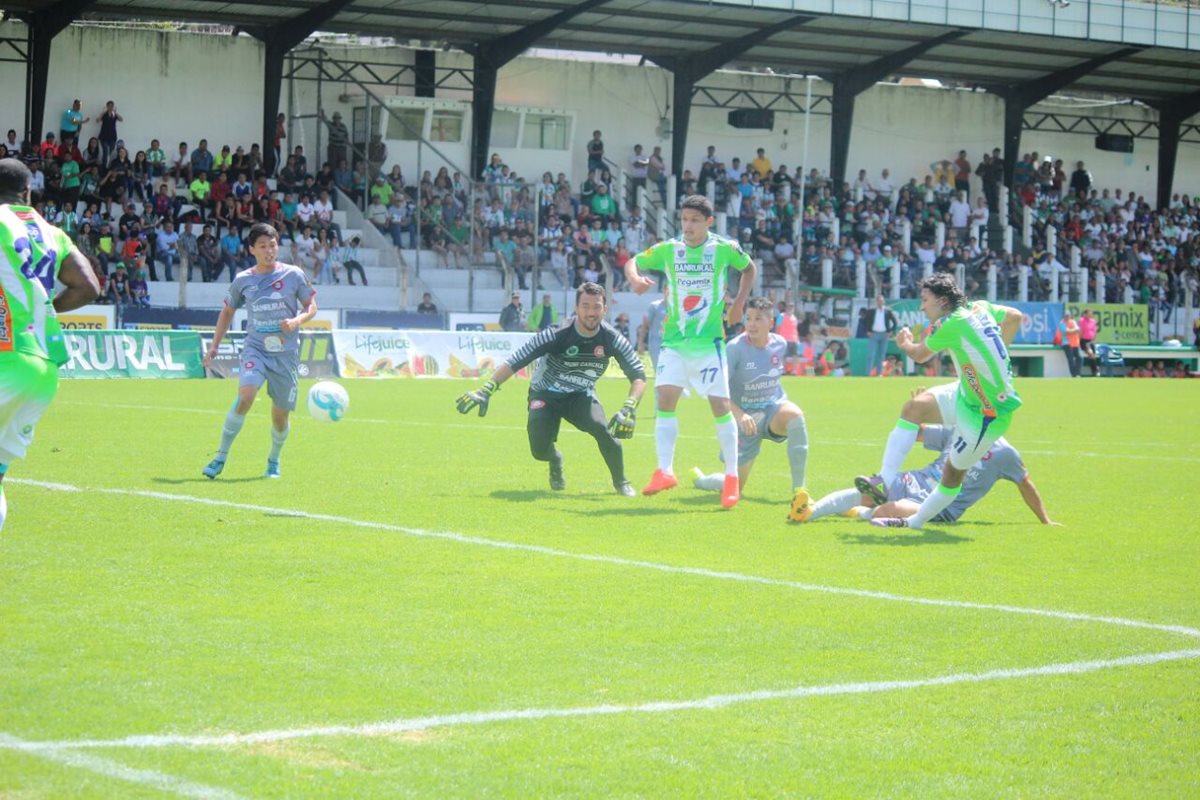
[(279, 372), (905, 488), (749, 446)]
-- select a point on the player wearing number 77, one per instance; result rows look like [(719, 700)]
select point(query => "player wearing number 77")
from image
[(570, 359), (696, 266), (33, 253), (977, 335)]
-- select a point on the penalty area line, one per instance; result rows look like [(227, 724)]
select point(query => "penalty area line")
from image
[(111, 769), (700, 572), (709, 703)]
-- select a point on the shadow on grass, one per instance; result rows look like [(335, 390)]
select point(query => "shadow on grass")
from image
[(913, 539), (202, 479), (523, 495)]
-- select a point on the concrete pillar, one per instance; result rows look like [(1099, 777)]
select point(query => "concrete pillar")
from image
[(991, 282), (906, 236), (860, 278), (895, 293), (827, 273), (672, 191), (940, 236), (1027, 226), (1023, 283)]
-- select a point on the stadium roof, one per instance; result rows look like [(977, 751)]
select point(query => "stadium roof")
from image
[(826, 45)]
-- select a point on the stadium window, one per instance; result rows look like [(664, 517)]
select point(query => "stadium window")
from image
[(546, 132), (446, 126), (505, 126), (406, 124)]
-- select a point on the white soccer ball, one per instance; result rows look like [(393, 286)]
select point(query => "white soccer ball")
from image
[(328, 401)]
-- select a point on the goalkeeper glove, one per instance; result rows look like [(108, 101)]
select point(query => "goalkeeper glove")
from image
[(477, 399), (621, 425)]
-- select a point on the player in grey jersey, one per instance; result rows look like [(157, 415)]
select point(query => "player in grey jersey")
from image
[(760, 406), (278, 299), (906, 493)]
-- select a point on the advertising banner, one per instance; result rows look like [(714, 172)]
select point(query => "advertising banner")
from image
[(1118, 324), (132, 354), (88, 318), (317, 359), (422, 354), (1040, 323), (390, 320)]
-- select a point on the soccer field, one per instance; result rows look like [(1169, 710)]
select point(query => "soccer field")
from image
[(410, 612)]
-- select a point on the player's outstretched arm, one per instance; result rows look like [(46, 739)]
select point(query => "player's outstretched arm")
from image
[(310, 311), (1033, 499), (479, 399), (76, 274)]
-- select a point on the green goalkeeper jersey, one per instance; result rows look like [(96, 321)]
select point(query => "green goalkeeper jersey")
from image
[(696, 281), (32, 250), (972, 335)]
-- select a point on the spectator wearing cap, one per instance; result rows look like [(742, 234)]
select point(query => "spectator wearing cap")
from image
[(339, 140), (510, 315)]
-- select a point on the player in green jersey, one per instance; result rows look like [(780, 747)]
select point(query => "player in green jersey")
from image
[(696, 266), (977, 335), (33, 255)]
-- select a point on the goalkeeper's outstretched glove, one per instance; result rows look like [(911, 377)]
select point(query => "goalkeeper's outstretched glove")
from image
[(621, 425), (478, 399)]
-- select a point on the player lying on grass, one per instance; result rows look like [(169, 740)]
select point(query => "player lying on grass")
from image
[(33, 255), (911, 488), (760, 407), (977, 334), (570, 359), (278, 299)]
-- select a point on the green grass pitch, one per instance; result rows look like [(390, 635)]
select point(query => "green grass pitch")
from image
[(699, 653)]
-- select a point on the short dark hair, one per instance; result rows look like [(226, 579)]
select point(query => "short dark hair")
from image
[(15, 178), (259, 230), (588, 287), (697, 202), (945, 288), (760, 304)]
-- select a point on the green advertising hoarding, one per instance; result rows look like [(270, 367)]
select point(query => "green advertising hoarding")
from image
[(1118, 324), (132, 354)]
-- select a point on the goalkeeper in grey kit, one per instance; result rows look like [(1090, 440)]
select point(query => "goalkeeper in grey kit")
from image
[(570, 359)]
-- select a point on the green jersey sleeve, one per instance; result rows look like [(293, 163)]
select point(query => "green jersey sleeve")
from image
[(941, 334), (733, 254), (655, 257)]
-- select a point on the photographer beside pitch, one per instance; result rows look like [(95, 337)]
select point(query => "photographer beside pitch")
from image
[(570, 359)]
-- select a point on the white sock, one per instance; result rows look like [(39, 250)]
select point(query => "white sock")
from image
[(666, 431), (3, 506), (899, 442), (835, 503), (937, 502), (713, 482), (233, 426), (866, 513), (727, 435), (277, 440)]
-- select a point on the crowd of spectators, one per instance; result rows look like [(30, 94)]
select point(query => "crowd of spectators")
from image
[(134, 215)]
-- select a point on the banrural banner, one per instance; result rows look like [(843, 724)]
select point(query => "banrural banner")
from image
[(132, 354)]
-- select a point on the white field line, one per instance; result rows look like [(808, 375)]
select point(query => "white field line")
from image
[(120, 772), (483, 424), (701, 572), (711, 702)]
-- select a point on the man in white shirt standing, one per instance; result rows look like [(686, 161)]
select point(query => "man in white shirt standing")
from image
[(960, 214)]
